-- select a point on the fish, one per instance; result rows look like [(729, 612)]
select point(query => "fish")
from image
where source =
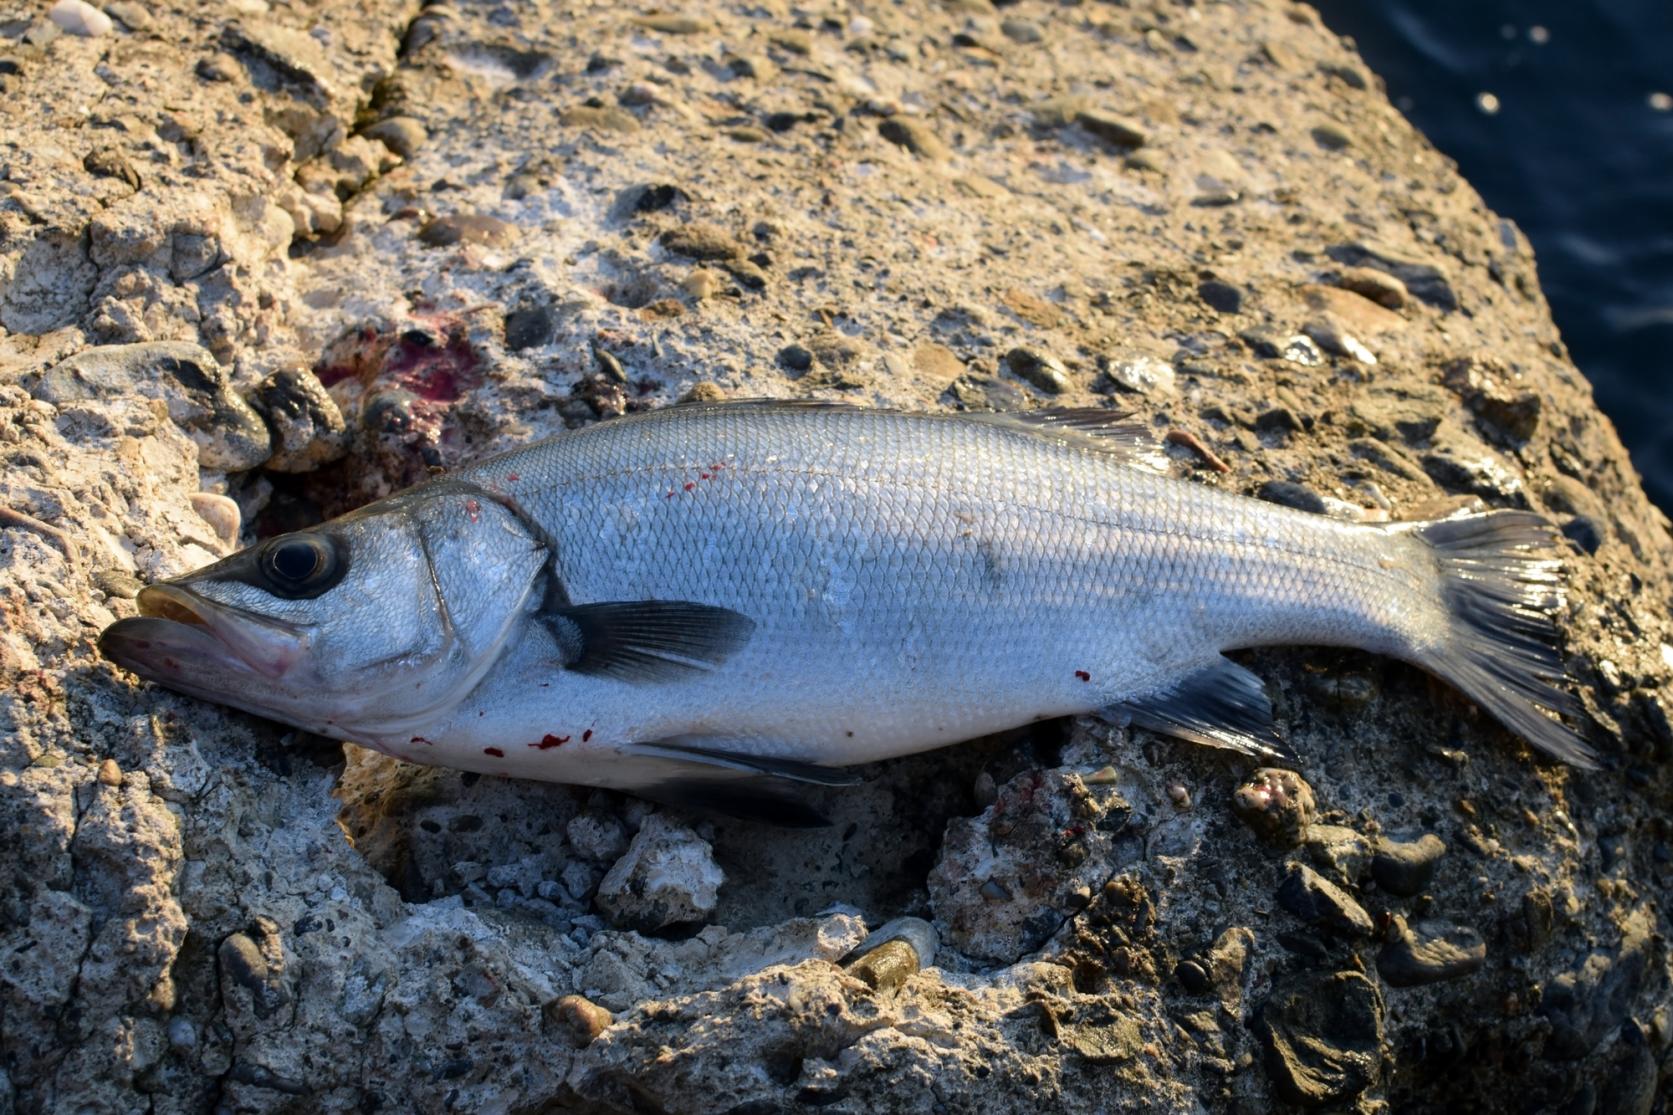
[(709, 604)]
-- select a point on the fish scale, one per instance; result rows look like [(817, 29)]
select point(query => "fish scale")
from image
[(689, 602)]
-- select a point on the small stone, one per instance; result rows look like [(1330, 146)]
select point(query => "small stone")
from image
[(1379, 286), (701, 241), (131, 15), (1038, 368), (701, 284), (1429, 951), (1193, 977), (1277, 804), (668, 877), (704, 392), (604, 118), (108, 162), (1405, 868), (221, 514), (887, 966), (1323, 1036), (80, 18), (1332, 138), (648, 197), (530, 325), (1334, 339), (404, 135), (1423, 281), (756, 67), (915, 136), (793, 39), (230, 435), (795, 358), (1510, 414), (1024, 31), (1320, 902), (1340, 851), (1118, 131), (670, 24), (1460, 467), (468, 228), (748, 274), (1144, 375), (581, 1017), (1220, 296), (1585, 532), (307, 426), (109, 773), (936, 363), (978, 392), (1291, 494)]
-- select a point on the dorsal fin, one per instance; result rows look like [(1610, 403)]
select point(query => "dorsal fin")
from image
[(1114, 433)]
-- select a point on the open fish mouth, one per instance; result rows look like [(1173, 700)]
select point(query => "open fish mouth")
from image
[(181, 640)]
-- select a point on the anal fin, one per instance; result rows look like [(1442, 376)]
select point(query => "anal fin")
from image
[(1220, 705)]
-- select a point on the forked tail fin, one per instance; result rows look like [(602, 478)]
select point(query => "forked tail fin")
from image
[(1501, 582)]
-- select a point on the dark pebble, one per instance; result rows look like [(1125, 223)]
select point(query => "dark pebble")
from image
[(1424, 281), (308, 428), (1429, 951), (1290, 494), (1318, 901), (1405, 869), (1221, 297), (1193, 977), (108, 162), (529, 326), (1040, 369), (468, 228), (1118, 131), (796, 358), (1279, 420), (978, 392), (915, 136), (701, 241)]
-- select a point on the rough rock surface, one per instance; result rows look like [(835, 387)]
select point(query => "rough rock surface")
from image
[(408, 236)]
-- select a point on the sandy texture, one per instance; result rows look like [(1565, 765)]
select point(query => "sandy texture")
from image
[(395, 238)]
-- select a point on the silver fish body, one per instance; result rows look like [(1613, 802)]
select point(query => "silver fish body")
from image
[(749, 589)]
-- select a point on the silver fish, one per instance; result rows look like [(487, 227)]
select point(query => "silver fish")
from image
[(703, 603)]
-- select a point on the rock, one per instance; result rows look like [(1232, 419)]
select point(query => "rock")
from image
[(584, 1019), (1323, 1036), (1144, 375), (1118, 131), (1041, 369), (1405, 868), (109, 162), (308, 429), (887, 966), (1509, 415), (1381, 287), (600, 118), (702, 241), (80, 18), (1429, 951), (1317, 901), (649, 197), (1290, 494), (230, 436), (668, 877), (795, 358), (1341, 852), (404, 135), (671, 24), (1277, 804), (597, 836), (1024, 31), (530, 325), (1332, 338), (1220, 296), (1458, 466), (1591, 1000), (1423, 280), (936, 363), (915, 136), (469, 228), (1331, 138)]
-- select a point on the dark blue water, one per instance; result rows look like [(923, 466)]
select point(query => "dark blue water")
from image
[(1574, 143)]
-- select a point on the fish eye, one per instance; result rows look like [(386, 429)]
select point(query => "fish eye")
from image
[(300, 566)]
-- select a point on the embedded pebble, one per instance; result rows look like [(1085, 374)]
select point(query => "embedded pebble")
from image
[(1145, 375), (1220, 296), (1384, 289), (221, 514), (1405, 868), (1041, 369), (668, 877), (887, 966), (469, 228), (581, 1017), (1118, 131), (914, 135), (1338, 341), (308, 428), (404, 135), (1318, 901), (1429, 951), (80, 18), (1323, 1035), (1277, 804), (701, 241)]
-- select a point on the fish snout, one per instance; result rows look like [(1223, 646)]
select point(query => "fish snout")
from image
[(178, 630)]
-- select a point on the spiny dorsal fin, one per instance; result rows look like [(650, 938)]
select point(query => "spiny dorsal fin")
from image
[(1220, 705), (647, 640)]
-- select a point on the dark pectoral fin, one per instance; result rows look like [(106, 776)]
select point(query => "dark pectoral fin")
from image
[(647, 640), (717, 755), (1221, 705), (743, 797)]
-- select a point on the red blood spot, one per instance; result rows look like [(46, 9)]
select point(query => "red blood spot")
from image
[(702, 476), (586, 735), (549, 741), (1083, 675), (421, 739), (690, 486), (494, 751), (473, 509), (512, 478)]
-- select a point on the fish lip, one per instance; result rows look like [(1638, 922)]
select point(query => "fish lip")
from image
[(177, 625)]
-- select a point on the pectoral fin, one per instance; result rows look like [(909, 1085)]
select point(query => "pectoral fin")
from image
[(711, 754), (647, 640), (1220, 705)]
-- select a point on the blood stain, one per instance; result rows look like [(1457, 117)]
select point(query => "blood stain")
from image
[(494, 751), (549, 741), (473, 509), (512, 478), (690, 486), (586, 735), (1083, 675)]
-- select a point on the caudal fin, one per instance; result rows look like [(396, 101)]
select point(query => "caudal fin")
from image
[(1502, 584)]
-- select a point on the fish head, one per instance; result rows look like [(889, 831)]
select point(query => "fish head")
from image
[(355, 628)]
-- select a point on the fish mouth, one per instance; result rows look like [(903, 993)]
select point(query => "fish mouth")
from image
[(179, 634)]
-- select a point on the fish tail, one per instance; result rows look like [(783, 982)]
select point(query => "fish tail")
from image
[(1501, 585)]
